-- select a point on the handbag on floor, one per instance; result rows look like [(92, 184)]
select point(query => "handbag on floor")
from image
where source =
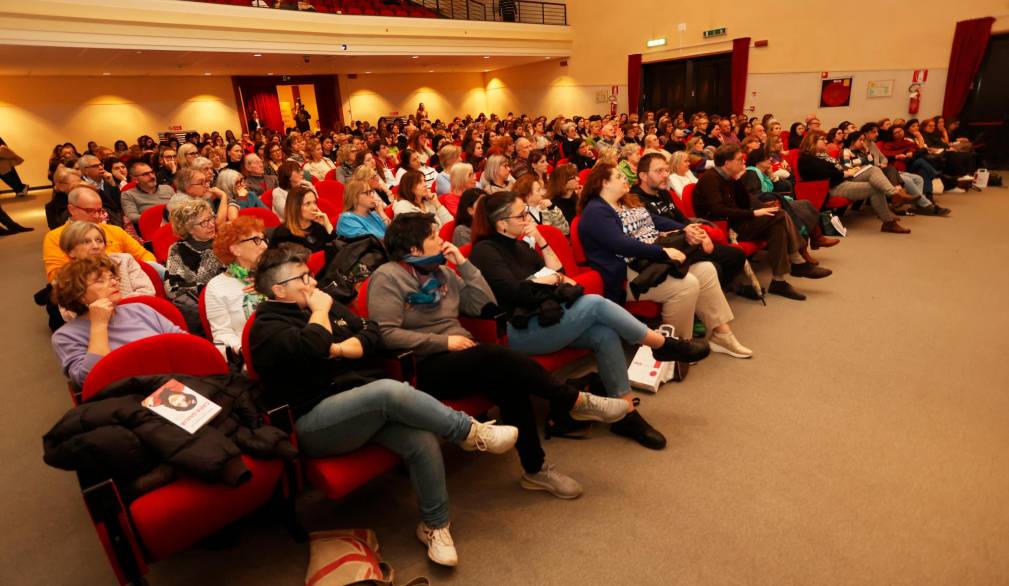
[(344, 557), (648, 374), (831, 225)]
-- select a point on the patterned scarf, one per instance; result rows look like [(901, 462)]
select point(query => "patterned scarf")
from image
[(250, 300), (430, 284)]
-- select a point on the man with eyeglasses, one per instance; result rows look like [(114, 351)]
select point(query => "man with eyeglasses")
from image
[(85, 205), (147, 192), (94, 174)]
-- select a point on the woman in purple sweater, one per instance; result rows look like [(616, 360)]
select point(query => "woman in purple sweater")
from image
[(89, 287)]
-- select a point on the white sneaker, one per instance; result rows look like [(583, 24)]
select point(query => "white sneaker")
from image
[(593, 408), (487, 437), (560, 485), (440, 547), (728, 344), (955, 190), (966, 178)]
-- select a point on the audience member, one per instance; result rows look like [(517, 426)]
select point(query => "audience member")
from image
[(363, 212), (230, 297), (191, 261), (304, 223), (147, 192)]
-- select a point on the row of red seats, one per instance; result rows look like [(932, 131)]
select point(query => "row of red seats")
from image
[(364, 7)]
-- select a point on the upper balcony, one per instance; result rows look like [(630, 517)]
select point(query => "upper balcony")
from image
[(214, 27), (521, 11)]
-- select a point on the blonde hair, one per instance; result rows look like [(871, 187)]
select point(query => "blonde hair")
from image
[(75, 232), (352, 193), (447, 153), (345, 154), (629, 150), (363, 173), (609, 155), (459, 175), (185, 215), (185, 149)]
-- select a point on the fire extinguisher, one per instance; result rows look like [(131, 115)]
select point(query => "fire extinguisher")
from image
[(914, 92)]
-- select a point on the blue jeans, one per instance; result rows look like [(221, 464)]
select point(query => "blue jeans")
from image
[(592, 322), (399, 417), (922, 167)]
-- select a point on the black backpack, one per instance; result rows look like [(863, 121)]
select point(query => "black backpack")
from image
[(348, 264)]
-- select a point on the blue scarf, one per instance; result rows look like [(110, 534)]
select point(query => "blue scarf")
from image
[(425, 268)]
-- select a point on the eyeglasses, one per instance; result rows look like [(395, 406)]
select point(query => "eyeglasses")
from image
[(305, 277), (170, 157), (257, 240), (207, 223), (192, 154), (106, 279), (144, 173), (96, 165), (91, 211), (524, 215)]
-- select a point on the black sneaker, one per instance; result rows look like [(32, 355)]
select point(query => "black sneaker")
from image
[(784, 289), (677, 350), (635, 427)]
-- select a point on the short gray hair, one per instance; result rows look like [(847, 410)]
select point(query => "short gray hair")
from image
[(186, 177), (75, 194), (226, 180), (268, 269), (86, 161)]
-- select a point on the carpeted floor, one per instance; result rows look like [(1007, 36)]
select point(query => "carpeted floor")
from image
[(867, 442)]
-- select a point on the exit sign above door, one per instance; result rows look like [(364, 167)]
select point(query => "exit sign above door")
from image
[(715, 32)]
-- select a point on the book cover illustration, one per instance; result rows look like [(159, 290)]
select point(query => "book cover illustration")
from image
[(182, 405)]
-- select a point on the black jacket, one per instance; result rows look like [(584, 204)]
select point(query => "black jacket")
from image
[(315, 237), (660, 204), (506, 264), (113, 436), (813, 168), (292, 355), (718, 198)]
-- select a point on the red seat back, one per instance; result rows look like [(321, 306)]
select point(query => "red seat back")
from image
[(167, 353), (267, 198), (360, 304), (559, 243), (152, 274), (128, 186), (583, 175), (446, 231), (316, 262), (269, 219), (793, 162), (784, 134), (151, 220), (687, 199), (465, 249), (203, 315), (331, 210), (389, 212), (330, 175), (163, 239), (576, 243), (163, 306), (814, 192), (332, 192)]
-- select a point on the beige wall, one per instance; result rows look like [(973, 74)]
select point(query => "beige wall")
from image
[(785, 75), (36, 113), (445, 95)]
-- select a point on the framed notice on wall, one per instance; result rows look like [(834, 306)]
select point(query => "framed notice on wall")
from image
[(879, 89), (835, 93)]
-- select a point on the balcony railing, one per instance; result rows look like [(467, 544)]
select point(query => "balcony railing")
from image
[(524, 11)]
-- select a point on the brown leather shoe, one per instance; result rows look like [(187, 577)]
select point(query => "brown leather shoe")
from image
[(804, 253), (825, 242), (894, 227), (899, 196)]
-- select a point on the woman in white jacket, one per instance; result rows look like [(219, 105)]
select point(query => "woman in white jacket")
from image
[(230, 296)]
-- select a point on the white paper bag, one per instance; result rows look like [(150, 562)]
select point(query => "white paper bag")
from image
[(981, 178), (648, 374)]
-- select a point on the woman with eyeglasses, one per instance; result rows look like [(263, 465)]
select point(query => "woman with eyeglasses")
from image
[(275, 157), (520, 278), (168, 166), (362, 212), (231, 296), (191, 261), (240, 197), (497, 174), (90, 288), (187, 153), (304, 223)]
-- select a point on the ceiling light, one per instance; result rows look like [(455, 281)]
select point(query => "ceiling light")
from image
[(415, 57), (271, 73), (486, 70), (430, 70), (207, 73), (486, 57), (257, 54), (106, 73), (367, 72), (139, 52), (656, 42)]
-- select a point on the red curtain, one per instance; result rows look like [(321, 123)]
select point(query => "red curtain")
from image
[(261, 95), (969, 45), (633, 83), (740, 67)]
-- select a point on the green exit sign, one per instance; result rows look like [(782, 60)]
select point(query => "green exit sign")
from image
[(715, 32)]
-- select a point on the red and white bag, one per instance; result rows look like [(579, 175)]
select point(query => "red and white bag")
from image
[(349, 556), (647, 373)]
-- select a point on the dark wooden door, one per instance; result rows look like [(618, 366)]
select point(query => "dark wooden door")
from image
[(691, 85)]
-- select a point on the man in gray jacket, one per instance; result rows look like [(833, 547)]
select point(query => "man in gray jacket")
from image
[(146, 193)]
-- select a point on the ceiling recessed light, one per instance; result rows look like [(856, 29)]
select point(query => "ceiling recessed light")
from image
[(430, 70), (486, 57), (367, 72), (207, 73), (415, 57), (106, 73), (139, 52), (257, 54), (271, 73), (486, 70)]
